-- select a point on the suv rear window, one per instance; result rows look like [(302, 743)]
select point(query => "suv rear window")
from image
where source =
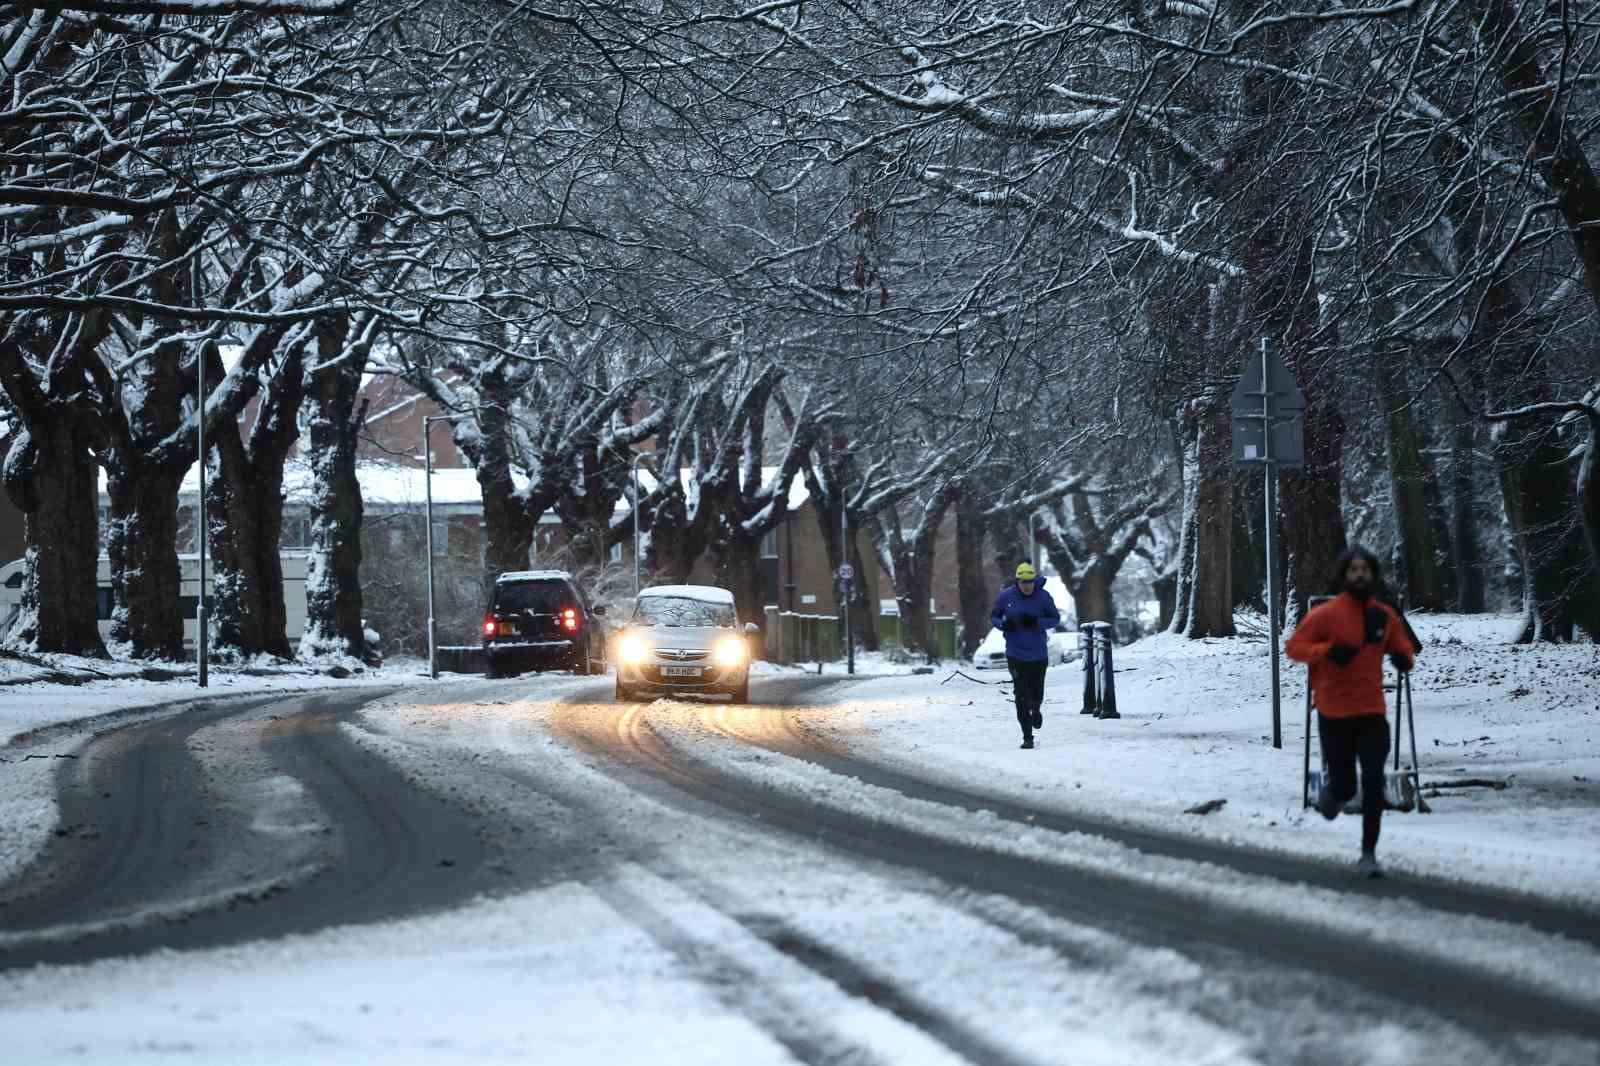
[(536, 597)]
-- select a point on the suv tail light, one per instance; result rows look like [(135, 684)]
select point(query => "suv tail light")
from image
[(569, 619), (490, 624)]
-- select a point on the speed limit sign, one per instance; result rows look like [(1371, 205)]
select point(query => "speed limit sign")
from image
[(845, 573)]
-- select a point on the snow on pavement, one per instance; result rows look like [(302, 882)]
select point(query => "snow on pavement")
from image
[(28, 811), (612, 962), (1560, 966), (669, 938), (1196, 726)]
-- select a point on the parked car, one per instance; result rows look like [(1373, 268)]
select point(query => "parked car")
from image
[(684, 639), (991, 654), (541, 620)]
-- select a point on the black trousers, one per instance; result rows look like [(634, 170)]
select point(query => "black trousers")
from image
[(1027, 684), (1345, 742)]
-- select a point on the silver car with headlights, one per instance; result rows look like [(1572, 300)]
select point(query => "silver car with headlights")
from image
[(683, 640)]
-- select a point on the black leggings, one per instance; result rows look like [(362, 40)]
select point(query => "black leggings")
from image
[(1346, 741), (1027, 683)]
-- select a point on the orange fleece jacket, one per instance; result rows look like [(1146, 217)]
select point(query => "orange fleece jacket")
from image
[(1357, 688)]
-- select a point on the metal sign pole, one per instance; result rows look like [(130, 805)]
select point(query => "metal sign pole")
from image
[(427, 478), (1269, 467)]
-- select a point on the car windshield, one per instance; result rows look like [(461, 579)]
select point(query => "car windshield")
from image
[(535, 597), (679, 611)]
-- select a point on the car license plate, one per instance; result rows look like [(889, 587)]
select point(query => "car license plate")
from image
[(680, 671)]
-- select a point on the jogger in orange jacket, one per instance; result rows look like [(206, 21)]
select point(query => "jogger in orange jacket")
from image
[(1343, 642)]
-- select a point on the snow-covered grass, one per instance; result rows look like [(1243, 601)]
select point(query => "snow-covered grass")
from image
[(1196, 726)]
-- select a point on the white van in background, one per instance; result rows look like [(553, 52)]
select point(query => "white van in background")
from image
[(294, 594)]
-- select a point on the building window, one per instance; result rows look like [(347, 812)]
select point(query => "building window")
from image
[(769, 545), (616, 552)]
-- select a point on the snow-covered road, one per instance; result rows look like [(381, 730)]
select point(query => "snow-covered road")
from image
[(525, 871)]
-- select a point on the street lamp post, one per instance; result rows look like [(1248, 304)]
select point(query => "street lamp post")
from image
[(427, 462), (200, 515)]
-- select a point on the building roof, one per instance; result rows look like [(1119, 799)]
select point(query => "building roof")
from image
[(397, 486)]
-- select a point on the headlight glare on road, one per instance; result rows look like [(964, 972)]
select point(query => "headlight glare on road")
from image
[(633, 649), (730, 652)]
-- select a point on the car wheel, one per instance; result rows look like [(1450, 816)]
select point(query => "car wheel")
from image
[(625, 694), (580, 665), (742, 693), (492, 671)]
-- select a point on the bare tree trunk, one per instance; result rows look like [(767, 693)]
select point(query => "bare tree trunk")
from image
[(739, 570), (142, 543), (916, 618), (1537, 487), (244, 516), (972, 589), (235, 515), (1410, 475), (1210, 612), (1188, 536), (1165, 589), (334, 620), (1092, 596), (863, 602), (51, 479), (1467, 556), (1310, 504), (1589, 511), (508, 521)]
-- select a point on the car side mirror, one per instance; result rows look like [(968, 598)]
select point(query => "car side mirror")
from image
[(598, 612), (752, 629)]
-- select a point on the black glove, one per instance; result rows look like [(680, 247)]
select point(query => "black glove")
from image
[(1006, 626), (1377, 620), (1400, 662), (1030, 622), (1343, 653)]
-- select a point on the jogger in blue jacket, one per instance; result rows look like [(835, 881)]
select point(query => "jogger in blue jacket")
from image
[(1026, 614)]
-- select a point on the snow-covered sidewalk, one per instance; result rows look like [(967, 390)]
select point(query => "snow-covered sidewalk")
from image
[(1196, 727)]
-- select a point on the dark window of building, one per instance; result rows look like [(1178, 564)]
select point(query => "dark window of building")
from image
[(189, 606), (104, 602)]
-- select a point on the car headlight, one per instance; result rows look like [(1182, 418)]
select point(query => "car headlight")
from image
[(633, 649), (730, 652)]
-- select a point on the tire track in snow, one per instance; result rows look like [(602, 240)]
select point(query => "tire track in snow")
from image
[(786, 733), (163, 830), (1142, 912)]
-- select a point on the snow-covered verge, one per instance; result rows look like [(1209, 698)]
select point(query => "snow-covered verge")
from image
[(1196, 727)]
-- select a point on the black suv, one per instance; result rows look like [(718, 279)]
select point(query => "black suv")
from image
[(541, 620)]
